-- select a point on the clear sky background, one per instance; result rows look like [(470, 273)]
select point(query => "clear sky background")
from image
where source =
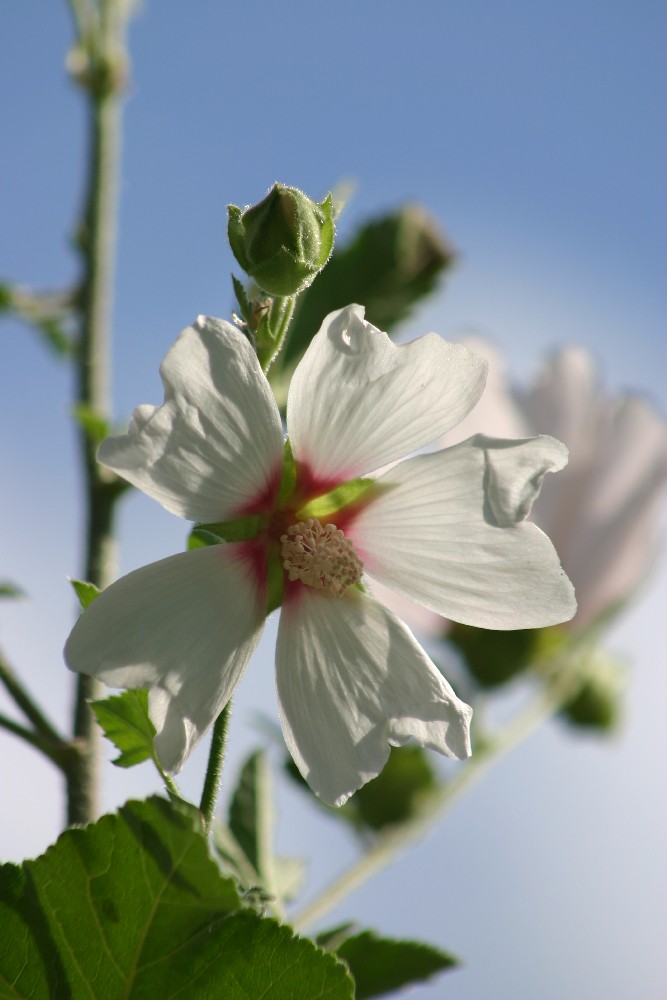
[(535, 134)]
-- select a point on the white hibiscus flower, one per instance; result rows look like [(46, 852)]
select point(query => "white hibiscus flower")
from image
[(446, 529)]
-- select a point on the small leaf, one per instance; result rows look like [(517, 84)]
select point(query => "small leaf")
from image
[(55, 337), (288, 480), (598, 702), (495, 657), (392, 798), (240, 530), (233, 856), (395, 795), (10, 590), (381, 966), (125, 721), (242, 299), (86, 592), (93, 424), (288, 877), (275, 580), (251, 815), (330, 503), (198, 539)]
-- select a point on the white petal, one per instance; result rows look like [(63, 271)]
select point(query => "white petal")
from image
[(448, 534), (184, 627), (352, 679), (215, 445), (416, 616), (358, 402)]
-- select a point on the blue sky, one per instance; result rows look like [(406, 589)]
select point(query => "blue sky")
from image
[(535, 135)]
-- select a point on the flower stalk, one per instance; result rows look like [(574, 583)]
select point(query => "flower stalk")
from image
[(216, 761), (102, 81)]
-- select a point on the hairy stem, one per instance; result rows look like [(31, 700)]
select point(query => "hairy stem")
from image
[(97, 239), (216, 759)]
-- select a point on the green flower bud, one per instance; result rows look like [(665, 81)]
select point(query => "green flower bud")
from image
[(598, 703), (283, 241)]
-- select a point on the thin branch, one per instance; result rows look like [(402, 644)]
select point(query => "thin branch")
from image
[(59, 753), (28, 706)]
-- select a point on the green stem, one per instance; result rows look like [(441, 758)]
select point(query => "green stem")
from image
[(169, 782), (216, 759), (394, 842), (287, 305), (59, 753), (83, 16), (98, 246), (25, 702)]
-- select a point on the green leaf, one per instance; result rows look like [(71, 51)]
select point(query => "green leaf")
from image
[(125, 721), (390, 799), (240, 530), (391, 263), (134, 906), (55, 337), (242, 299), (598, 702), (288, 479), (287, 873), (10, 590), (232, 855), (395, 795), (494, 657), (251, 815), (381, 966), (275, 580), (288, 877), (93, 424), (86, 592)]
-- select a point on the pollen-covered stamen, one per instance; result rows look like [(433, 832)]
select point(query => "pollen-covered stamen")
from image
[(320, 556)]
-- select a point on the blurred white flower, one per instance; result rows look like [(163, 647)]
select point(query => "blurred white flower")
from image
[(603, 511), (447, 529)]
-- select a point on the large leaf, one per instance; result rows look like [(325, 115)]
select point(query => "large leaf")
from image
[(134, 906), (381, 965), (125, 721), (391, 263)]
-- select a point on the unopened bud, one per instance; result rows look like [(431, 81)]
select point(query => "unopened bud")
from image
[(284, 240)]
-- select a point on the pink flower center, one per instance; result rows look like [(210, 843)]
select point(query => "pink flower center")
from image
[(320, 556)]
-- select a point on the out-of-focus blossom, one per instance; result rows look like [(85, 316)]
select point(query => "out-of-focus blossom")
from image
[(602, 512)]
